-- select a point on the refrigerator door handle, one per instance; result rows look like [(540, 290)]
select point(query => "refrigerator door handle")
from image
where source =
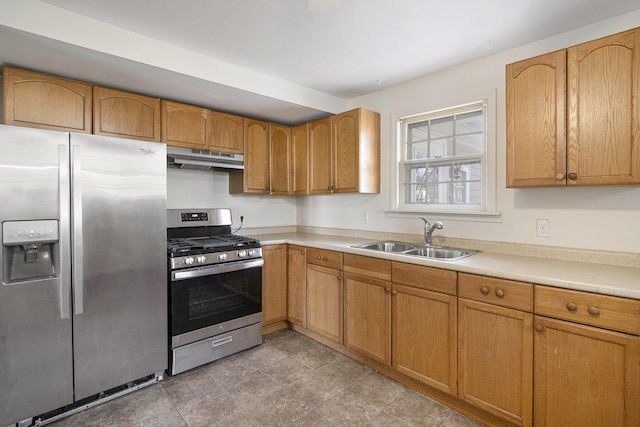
[(64, 236), (76, 212)]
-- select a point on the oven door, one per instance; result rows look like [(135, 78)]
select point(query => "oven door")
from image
[(210, 300)]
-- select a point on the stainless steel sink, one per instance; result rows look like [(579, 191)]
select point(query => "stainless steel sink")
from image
[(431, 252), (393, 247), (450, 254)]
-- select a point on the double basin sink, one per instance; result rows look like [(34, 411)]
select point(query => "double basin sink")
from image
[(430, 252)]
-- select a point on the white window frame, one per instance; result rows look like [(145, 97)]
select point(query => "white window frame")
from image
[(487, 207)]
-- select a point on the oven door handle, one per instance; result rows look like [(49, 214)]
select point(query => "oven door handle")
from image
[(210, 270)]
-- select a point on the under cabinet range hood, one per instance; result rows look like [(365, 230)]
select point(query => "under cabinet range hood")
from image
[(204, 160)]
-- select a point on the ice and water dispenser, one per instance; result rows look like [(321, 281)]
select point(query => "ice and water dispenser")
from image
[(30, 250)]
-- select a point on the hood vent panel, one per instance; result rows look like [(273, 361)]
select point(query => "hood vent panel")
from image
[(186, 158)]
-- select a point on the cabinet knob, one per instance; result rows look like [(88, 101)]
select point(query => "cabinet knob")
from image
[(394, 292), (572, 306), (484, 290), (302, 252), (539, 328), (594, 311), (387, 290), (339, 277), (559, 176), (499, 293), (573, 175), (318, 257), (324, 258)]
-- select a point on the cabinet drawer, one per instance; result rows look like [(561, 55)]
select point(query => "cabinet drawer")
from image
[(325, 258), (367, 266), (620, 314), (431, 279), (505, 293)]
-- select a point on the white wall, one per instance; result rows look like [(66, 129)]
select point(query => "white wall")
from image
[(208, 189), (602, 218)]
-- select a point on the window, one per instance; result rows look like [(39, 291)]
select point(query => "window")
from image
[(442, 160)]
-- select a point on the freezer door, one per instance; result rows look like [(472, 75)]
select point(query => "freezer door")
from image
[(119, 261), (35, 324)]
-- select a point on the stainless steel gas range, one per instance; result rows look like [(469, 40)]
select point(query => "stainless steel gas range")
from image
[(215, 288)]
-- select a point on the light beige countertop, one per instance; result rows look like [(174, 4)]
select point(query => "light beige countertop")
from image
[(578, 275)]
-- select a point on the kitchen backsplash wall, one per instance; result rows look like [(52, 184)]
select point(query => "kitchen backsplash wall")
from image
[(187, 188)]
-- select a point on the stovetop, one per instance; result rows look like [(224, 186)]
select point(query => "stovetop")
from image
[(180, 246)]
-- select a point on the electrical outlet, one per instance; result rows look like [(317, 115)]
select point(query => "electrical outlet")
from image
[(542, 227), (364, 217)]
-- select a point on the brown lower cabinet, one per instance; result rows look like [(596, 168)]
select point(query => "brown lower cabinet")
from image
[(274, 287), (502, 351)]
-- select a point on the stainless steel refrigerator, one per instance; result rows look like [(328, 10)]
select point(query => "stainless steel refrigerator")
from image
[(83, 295)]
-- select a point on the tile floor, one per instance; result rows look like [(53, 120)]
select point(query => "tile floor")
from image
[(290, 380)]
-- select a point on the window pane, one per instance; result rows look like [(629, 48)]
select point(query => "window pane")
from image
[(441, 127), (469, 144), (441, 148), (417, 138), (471, 122)]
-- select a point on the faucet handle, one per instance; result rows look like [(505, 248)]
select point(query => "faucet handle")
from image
[(438, 225)]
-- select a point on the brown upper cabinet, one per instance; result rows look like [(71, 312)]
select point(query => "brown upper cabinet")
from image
[(125, 114), (572, 115), (226, 133), (46, 102), (255, 176), (184, 125), (344, 153), (300, 159)]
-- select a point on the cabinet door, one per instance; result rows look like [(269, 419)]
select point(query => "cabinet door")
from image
[(424, 336), (279, 160), (226, 133), (495, 359), (255, 176), (300, 159), (320, 157), (346, 152), (324, 302), (367, 317), (536, 130), (603, 116), (184, 125), (274, 284), (585, 376), (125, 115), (46, 102), (297, 285)]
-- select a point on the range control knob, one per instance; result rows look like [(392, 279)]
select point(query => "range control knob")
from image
[(242, 254), (201, 259), (189, 260), (252, 253), (222, 257)]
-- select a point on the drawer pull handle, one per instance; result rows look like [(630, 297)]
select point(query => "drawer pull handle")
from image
[(593, 311), (484, 290), (499, 293), (222, 341), (324, 258), (572, 306), (539, 328)]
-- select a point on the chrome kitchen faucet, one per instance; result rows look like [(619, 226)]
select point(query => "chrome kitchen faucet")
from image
[(428, 230)]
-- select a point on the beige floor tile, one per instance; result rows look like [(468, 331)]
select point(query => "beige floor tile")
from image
[(418, 410), (207, 410)]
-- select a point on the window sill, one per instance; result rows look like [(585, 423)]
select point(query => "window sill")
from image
[(484, 216)]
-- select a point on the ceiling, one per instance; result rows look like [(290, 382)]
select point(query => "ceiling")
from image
[(276, 60)]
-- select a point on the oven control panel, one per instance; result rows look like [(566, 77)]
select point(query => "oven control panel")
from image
[(214, 258), (194, 216)]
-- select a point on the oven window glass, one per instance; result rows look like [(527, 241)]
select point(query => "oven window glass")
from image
[(205, 301)]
